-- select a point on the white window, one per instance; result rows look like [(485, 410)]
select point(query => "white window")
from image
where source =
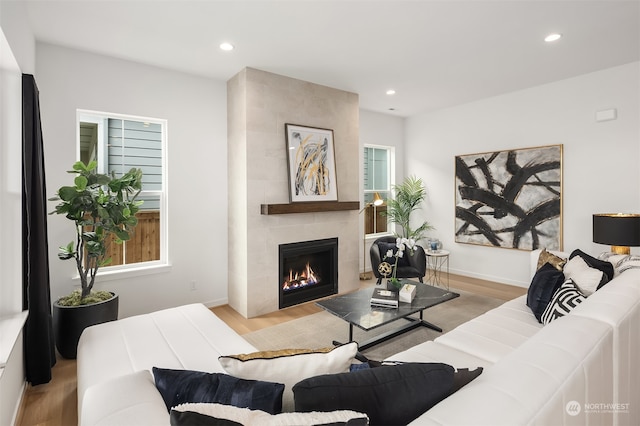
[(118, 143), (378, 179)]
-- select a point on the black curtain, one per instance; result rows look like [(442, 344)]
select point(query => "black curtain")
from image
[(39, 344)]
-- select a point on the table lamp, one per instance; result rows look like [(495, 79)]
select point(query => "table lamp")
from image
[(377, 201), (619, 230)]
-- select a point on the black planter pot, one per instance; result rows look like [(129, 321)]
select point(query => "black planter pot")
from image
[(70, 321)]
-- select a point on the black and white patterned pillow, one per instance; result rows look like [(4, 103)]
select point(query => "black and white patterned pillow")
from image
[(629, 262), (567, 297), (621, 262)]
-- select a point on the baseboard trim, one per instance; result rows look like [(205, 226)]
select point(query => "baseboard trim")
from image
[(493, 278)]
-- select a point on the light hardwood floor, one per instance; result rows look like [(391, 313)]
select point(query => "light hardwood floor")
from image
[(55, 403)]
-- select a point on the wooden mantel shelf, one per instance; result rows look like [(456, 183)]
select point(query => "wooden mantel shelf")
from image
[(309, 207)]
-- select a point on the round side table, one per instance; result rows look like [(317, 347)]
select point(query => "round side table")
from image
[(436, 261)]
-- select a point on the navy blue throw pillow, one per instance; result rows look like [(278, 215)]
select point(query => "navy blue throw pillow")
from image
[(183, 386), (389, 395), (543, 285)]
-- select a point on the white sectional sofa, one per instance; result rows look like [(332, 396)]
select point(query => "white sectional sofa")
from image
[(579, 369), (115, 359)]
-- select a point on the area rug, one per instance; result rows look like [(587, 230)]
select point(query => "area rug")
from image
[(321, 329)]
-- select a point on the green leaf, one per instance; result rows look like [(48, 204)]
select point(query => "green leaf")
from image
[(79, 166), (102, 179), (81, 182), (122, 234), (67, 252), (65, 256), (103, 213), (105, 262), (89, 236), (67, 193), (92, 165)]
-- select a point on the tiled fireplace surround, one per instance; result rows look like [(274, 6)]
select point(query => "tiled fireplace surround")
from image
[(258, 106)]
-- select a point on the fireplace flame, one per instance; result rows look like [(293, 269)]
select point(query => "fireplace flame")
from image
[(298, 279)]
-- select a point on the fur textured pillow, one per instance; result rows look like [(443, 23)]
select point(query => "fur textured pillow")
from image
[(602, 265), (587, 279), (217, 414)]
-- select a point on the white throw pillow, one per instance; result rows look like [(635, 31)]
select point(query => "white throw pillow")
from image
[(290, 366), (249, 417), (585, 277)]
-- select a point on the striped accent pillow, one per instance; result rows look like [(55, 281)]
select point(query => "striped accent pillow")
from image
[(567, 297), (629, 262), (621, 262)]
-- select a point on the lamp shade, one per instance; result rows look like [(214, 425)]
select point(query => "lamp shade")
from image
[(617, 229)]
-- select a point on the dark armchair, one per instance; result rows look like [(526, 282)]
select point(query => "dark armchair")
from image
[(409, 266)]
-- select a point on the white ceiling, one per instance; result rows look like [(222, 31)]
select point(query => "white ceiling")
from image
[(435, 54)]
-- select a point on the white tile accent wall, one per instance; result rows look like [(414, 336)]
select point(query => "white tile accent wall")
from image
[(259, 105)]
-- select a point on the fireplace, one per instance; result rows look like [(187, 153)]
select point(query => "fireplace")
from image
[(308, 271)]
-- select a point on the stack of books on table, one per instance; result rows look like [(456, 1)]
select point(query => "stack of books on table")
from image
[(384, 298)]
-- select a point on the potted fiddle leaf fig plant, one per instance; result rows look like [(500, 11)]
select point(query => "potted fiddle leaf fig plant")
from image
[(103, 210)]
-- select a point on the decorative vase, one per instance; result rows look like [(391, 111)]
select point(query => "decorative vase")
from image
[(70, 321), (392, 287)]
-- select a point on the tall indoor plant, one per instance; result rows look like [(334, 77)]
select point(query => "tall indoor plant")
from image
[(409, 195), (102, 209)]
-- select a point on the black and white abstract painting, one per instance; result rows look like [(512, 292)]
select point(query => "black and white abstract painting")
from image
[(510, 199)]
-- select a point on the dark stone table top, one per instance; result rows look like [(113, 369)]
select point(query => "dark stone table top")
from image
[(356, 309)]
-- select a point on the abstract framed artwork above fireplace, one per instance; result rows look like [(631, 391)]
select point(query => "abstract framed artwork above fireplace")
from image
[(308, 270)]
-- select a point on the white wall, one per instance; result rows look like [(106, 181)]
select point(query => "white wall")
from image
[(11, 342), (378, 129), (195, 108), (17, 54), (600, 164), (10, 181), (16, 28)]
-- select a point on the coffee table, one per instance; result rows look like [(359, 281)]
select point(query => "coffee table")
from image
[(355, 308)]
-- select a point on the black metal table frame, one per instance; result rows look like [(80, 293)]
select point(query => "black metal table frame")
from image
[(411, 325), (356, 303)]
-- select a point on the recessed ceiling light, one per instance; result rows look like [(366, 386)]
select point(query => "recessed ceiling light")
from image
[(391, 92), (553, 37), (226, 46)]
